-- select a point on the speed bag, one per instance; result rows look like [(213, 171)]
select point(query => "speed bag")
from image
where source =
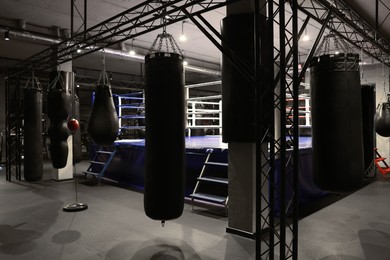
[(337, 131), (103, 124), (382, 120), (165, 136)]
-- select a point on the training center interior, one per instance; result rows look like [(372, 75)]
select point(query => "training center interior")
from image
[(195, 129)]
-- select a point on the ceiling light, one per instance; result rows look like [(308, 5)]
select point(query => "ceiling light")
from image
[(132, 51), (182, 37), (78, 50), (6, 35), (306, 37), (185, 63), (336, 52)]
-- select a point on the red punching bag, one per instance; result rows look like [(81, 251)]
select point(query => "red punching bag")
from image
[(165, 136)]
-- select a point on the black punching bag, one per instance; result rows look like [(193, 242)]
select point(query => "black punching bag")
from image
[(33, 156), (337, 122), (165, 136), (368, 114), (238, 95), (77, 153), (58, 111), (103, 124), (382, 119)]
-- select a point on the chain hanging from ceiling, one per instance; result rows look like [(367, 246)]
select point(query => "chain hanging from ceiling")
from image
[(166, 40)]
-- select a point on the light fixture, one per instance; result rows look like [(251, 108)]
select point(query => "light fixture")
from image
[(132, 51), (306, 37), (6, 35), (79, 50), (182, 37), (185, 63), (336, 52)]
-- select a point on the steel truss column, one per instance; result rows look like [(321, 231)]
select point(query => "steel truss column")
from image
[(13, 129), (277, 220), (81, 28)]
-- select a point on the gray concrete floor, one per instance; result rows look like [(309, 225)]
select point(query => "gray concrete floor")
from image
[(34, 226)]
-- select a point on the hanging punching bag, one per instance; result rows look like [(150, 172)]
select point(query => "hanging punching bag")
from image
[(368, 114), (33, 156), (382, 119), (337, 122), (165, 136), (238, 95), (58, 111), (103, 124)]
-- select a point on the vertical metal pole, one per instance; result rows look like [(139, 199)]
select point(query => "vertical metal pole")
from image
[(71, 17), (295, 126), (282, 187), (257, 59), (7, 132), (271, 72), (85, 19)]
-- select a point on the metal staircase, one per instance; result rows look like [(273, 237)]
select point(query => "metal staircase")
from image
[(212, 183), (100, 163)]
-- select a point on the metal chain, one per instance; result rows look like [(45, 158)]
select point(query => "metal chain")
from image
[(103, 75), (165, 39)]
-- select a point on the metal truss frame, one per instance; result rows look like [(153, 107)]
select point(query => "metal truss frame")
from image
[(349, 25), (140, 19), (276, 235), (13, 128), (276, 163)]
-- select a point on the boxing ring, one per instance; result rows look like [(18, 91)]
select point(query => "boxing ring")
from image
[(127, 166), (203, 134)]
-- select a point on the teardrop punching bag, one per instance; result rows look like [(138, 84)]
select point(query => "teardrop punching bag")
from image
[(382, 119), (33, 156), (165, 136), (103, 124), (58, 111), (337, 139)]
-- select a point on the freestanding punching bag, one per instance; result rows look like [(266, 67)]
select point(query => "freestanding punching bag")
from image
[(337, 139), (58, 111), (33, 156), (382, 119), (165, 136), (103, 124)]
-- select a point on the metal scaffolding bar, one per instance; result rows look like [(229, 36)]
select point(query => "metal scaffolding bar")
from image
[(349, 25)]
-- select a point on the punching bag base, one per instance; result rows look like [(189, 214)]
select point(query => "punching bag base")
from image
[(74, 207)]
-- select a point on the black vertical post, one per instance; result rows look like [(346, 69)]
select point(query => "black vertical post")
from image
[(296, 83), (71, 17), (257, 61), (85, 19), (271, 72), (282, 187)]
